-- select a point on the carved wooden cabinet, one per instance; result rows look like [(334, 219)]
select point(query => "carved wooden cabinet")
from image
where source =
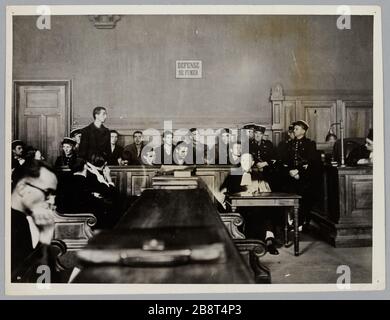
[(344, 213)]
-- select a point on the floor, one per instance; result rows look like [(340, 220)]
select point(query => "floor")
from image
[(318, 263)]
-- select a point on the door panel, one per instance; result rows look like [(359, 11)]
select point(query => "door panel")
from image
[(42, 115)]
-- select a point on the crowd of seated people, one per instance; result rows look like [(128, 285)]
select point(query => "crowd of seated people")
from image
[(86, 185)]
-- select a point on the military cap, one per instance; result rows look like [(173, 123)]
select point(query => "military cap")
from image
[(302, 124), (249, 127), (75, 132), (16, 143), (259, 128), (68, 141)]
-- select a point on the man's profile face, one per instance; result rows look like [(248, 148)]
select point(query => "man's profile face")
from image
[(114, 138), (138, 138), (101, 116), (77, 138), (246, 162), (32, 196), (299, 131), (225, 137), (18, 151), (369, 144), (196, 136), (236, 149), (168, 139), (68, 149)]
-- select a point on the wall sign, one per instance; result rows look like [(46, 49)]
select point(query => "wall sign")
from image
[(188, 69)]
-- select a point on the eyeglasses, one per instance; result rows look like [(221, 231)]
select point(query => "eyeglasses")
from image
[(47, 192)]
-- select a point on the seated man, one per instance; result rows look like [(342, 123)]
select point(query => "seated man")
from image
[(199, 150), (148, 156), (250, 181), (164, 153), (362, 155), (76, 136), (115, 156), (32, 215), (100, 185), (17, 153), (181, 155), (132, 153)]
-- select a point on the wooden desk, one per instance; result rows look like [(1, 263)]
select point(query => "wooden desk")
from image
[(272, 199), (186, 214)]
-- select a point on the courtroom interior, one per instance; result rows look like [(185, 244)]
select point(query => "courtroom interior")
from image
[(192, 148)]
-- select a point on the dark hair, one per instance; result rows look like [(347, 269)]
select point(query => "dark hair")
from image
[(29, 169), (98, 159), (114, 131), (137, 131), (370, 134), (97, 110), (77, 165), (167, 132), (330, 135), (17, 143), (193, 129), (30, 152)]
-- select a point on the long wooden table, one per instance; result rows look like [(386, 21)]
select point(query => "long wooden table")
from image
[(271, 199), (180, 218)]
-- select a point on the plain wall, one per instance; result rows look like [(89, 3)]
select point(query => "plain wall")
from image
[(131, 69)]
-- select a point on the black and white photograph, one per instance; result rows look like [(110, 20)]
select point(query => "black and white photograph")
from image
[(189, 147)]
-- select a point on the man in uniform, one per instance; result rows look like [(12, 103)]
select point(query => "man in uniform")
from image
[(303, 167), (263, 154)]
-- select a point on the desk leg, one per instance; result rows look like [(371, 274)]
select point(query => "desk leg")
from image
[(296, 230), (286, 213)]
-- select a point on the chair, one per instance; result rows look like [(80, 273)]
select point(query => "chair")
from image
[(250, 249), (74, 230)]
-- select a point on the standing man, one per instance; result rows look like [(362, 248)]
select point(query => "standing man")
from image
[(32, 215), (95, 138), (115, 156), (303, 164), (132, 153)]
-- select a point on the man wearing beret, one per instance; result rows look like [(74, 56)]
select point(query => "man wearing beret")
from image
[(303, 165)]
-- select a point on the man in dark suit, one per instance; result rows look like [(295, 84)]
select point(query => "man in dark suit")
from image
[(132, 153), (164, 153), (303, 169), (32, 215), (199, 150), (219, 154), (95, 138), (115, 156)]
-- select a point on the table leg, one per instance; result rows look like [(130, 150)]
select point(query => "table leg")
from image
[(286, 213), (296, 231)]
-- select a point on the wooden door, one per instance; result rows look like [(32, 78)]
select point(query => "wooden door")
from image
[(358, 118), (320, 115), (41, 116)]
